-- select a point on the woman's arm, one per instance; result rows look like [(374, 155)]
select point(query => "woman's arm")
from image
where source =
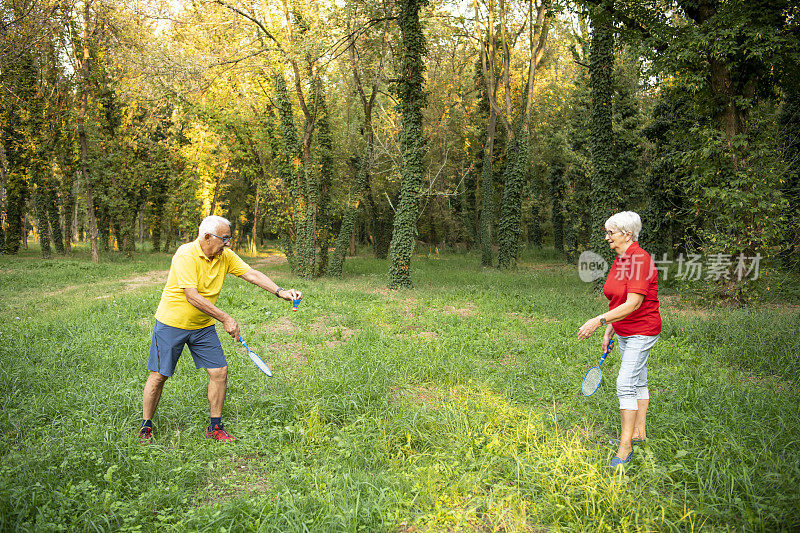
[(633, 302)]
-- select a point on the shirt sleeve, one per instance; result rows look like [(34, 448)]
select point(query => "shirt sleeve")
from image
[(640, 271), (236, 266), (185, 271)]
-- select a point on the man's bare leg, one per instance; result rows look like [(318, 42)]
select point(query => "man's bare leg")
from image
[(217, 386), (152, 394)]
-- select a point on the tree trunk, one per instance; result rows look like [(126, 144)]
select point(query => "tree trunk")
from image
[(87, 182), (412, 143)]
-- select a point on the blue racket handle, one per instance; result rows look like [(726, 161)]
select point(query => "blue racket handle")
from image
[(608, 351)]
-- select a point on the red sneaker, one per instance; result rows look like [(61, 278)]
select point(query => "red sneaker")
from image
[(219, 433), (144, 434)]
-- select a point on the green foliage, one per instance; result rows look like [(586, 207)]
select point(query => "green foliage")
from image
[(514, 177), (411, 96)]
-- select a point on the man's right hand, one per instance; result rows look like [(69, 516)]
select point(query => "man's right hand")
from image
[(231, 327)]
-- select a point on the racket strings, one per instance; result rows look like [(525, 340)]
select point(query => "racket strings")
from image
[(591, 381)]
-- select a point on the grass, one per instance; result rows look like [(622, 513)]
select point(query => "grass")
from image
[(451, 407)]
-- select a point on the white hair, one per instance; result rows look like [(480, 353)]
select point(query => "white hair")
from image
[(626, 221), (211, 224)]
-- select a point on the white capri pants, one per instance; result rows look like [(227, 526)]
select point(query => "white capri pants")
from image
[(632, 379)]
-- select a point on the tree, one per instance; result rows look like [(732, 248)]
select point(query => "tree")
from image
[(411, 96), (508, 229)]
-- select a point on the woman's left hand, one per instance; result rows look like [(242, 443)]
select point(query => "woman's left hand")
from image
[(588, 328)]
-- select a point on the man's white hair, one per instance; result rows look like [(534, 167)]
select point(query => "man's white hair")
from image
[(626, 221), (211, 225)]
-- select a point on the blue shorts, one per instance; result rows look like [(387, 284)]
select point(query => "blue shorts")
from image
[(168, 342)]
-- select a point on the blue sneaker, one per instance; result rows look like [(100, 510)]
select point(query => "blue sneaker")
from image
[(616, 461)]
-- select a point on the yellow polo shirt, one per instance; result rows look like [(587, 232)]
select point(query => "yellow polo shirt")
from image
[(191, 268)]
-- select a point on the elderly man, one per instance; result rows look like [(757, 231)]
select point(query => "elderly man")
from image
[(186, 314)]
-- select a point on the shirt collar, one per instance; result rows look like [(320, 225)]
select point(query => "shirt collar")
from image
[(630, 251)]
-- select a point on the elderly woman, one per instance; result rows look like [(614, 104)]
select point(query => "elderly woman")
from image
[(632, 291)]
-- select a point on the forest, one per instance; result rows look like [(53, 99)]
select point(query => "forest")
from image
[(484, 126)]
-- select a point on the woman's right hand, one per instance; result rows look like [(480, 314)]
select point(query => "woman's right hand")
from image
[(607, 337)]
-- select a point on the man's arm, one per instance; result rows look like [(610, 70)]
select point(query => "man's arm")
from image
[(201, 303), (256, 277)]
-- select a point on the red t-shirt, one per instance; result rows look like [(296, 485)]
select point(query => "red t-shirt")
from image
[(634, 271)]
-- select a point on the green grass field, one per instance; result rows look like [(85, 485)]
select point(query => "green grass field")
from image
[(455, 406)]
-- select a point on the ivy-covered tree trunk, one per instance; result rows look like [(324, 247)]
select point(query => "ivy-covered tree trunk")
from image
[(40, 207), (360, 167), (16, 182), (326, 169), (290, 169), (88, 188), (606, 195), (535, 234), (412, 142), (54, 217), (509, 227), (68, 164), (19, 127), (487, 193), (3, 174)]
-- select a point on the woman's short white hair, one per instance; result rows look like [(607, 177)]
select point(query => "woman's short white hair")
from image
[(211, 224), (626, 221)]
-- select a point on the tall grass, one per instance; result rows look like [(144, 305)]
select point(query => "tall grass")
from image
[(453, 406)]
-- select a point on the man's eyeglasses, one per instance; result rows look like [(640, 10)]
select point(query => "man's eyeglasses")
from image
[(225, 240)]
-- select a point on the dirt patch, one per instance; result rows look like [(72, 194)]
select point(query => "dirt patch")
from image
[(241, 477), (269, 260), (383, 291), (341, 333), (145, 323), (148, 278), (154, 277), (674, 305), (282, 325), (428, 334), (297, 350)]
